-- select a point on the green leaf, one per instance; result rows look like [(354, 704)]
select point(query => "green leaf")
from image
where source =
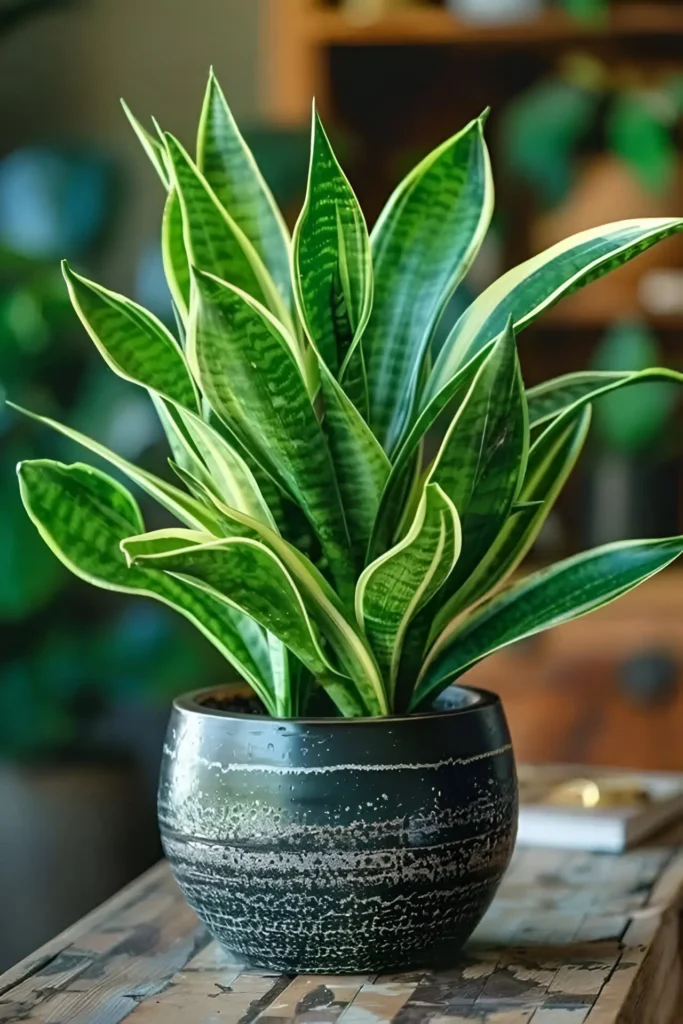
[(631, 421), (332, 260), (174, 256), (247, 368), (393, 589), (480, 466), (232, 173), (591, 12), (132, 342), (213, 241), (540, 131), (360, 463), (181, 505), (422, 246), (521, 507), (320, 600), (548, 598), (182, 447), (551, 460), (641, 137), (556, 396), (83, 515), (407, 460), (247, 575), (532, 287), (151, 145), (230, 476), (482, 460)]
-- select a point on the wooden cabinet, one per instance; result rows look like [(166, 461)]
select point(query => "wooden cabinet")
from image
[(577, 693)]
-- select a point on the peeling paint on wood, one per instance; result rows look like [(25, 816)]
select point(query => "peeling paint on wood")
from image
[(572, 938)]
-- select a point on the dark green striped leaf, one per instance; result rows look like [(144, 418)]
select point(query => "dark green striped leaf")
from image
[(184, 507), (527, 290), (422, 246), (230, 476), (174, 256), (83, 515), (151, 145), (480, 466), (229, 167), (180, 442), (320, 600), (548, 400), (247, 575), (248, 370), (332, 261), (360, 463), (482, 460), (393, 589), (213, 241), (551, 460), (407, 459), (548, 598), (133, 343)]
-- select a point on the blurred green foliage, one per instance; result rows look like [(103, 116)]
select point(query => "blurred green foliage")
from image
[(631, 421), (540, 134), (590, 11), (586, 106)]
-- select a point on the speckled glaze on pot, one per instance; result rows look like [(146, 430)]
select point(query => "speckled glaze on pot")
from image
[(340, 845)]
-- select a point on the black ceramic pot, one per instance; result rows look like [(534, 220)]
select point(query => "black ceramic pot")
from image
[(337, 845)]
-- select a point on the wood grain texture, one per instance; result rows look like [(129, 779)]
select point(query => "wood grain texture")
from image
[(572, 938)]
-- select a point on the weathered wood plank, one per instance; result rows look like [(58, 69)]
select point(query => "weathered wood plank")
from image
[(572, 938)]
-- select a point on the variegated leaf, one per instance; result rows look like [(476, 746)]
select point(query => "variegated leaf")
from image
[(320, 600), (174, 256), (229, 167), (83, 515), (132, 341), (547, 598), (422, 246), (184, 507), (482, 460), (552, 398), (360, 463), (532, 287), (332, 260), (151, 145), (214, 242), (551, 459), (392, 590), (249, 576), (407, 461), (247, 369)]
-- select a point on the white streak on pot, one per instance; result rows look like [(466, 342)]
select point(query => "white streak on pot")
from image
[(275, 769)]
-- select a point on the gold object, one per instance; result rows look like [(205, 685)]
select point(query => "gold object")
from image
[(611, 792)]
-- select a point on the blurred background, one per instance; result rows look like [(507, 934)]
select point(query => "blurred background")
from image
[(586, 127)]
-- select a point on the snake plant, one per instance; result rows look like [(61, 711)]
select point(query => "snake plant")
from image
[(309, 540)]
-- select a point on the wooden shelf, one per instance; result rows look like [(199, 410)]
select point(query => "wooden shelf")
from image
[(425, 26), (298, 35)]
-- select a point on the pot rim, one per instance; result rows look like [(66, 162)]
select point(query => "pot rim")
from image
[(190, 702)]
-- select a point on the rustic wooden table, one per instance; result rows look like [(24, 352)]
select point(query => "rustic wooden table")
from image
[(571, 937)]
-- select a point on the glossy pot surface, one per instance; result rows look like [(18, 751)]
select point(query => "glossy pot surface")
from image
[(340, 845)]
